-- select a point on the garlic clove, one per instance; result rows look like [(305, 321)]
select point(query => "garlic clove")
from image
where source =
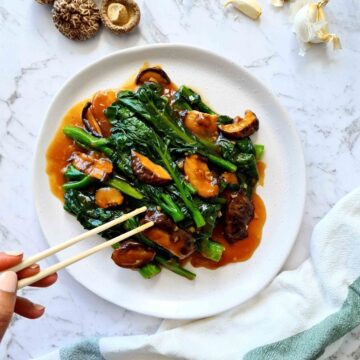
[(311, 26), (302, 24), (250, 8)]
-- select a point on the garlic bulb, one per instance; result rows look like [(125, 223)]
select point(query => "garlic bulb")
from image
[(311, 26), (250, 8)]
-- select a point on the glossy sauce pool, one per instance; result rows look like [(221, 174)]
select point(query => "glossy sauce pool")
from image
[(241, 250), (61, 148)]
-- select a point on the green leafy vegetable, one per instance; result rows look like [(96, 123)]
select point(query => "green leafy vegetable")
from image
[(211, 249), (193, 99), (208, 248), (164, 199), (125, 188), (72, 173), (259, 151), (174, 266), (79, 184), (149, 271), (133, 133), (148, 104), (87, 140), (82, 205)]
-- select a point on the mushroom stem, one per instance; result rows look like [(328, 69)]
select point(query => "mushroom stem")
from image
[(118, 14)]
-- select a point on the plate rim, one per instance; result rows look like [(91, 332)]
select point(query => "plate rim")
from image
[(295, 132)]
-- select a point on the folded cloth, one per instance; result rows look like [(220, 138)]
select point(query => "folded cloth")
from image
[(301, 314)]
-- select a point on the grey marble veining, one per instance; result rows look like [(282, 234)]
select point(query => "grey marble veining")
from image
[(320, 91)]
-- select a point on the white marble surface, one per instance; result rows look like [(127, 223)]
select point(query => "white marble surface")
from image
[(320, 91)]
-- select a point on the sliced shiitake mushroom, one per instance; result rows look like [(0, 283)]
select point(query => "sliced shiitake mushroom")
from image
[(179, 243), (169, 236), (132, 255), (101, 101), (147, 171), (108, 197), (241, 127), (200, 177), (89, 164), (90, 122), (201, 124), (229, 178), (239, 212), (159, 219), (153, 74)]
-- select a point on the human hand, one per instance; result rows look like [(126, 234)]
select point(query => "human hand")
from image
[(9, 302)]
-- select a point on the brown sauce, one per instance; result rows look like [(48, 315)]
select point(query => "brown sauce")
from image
[(261, 166), (241, 250), (61, 148)]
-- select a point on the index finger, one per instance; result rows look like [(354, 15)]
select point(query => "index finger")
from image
[(9, 259)]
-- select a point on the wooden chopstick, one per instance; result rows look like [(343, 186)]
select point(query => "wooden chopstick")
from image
[(55, 249), (61, 265)]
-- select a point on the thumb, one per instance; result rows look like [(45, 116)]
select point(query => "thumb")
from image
[(8, 285)]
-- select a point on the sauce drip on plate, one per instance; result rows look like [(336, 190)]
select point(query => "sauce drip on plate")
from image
[(60, 149)]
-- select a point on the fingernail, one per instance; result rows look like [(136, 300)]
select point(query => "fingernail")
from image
[(8, 281), (34, 266), (38, 307), (13, 253)]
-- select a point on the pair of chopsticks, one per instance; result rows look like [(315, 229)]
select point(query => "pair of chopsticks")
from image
[(63, 264)]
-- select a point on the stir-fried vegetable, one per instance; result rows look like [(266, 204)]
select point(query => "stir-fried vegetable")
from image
[(168, 150), (148, 104), (134, 133), (162, 199)]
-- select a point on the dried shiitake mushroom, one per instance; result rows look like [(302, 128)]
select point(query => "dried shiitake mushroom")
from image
[(120, 16), (45, 2), (76, 19)]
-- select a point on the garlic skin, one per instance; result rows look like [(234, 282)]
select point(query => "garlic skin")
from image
[(250, 8), (311, 26), (277, 3)]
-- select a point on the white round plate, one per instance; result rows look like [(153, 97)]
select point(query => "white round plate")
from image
[(229, 89)]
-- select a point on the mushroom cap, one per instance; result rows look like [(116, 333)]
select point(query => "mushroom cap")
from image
[(76, 19), (133, 12), (45, 2)]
